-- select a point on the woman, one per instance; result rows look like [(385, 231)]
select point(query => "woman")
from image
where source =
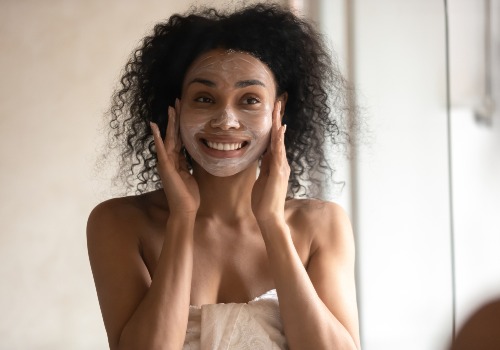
[(202, 260)]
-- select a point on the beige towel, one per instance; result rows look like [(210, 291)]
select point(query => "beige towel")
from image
[(255, 325)]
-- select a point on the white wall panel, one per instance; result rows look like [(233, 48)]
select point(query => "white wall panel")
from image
[(403, 227), (476, 155)]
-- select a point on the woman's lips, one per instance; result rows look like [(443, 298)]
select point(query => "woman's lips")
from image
[(224, 146), (224, 149)]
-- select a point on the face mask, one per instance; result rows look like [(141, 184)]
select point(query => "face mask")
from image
[(226, 111)]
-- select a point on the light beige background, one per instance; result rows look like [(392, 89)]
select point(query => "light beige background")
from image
[(59, 62)]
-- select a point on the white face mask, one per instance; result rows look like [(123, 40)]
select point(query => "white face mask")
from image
[(226, 111)]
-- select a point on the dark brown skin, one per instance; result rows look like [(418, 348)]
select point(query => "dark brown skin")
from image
[(205, 239), (482, 329)]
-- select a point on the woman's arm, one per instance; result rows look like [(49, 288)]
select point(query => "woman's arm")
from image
[(141, 312), (318, 305)]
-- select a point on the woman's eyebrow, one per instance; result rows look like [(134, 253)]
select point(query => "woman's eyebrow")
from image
[(245, 83), (202, 81), (238, 84)]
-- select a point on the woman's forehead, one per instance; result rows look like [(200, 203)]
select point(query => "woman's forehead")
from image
[(229, 65)]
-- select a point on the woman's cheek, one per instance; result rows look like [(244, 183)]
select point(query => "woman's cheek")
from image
[(260, 126), (189, 128)]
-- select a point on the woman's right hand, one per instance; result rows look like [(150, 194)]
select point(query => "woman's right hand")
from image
[(180, 186)]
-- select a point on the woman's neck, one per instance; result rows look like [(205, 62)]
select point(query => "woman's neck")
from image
[(226, 198)]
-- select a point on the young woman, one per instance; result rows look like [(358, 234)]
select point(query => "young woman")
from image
[(224, 116)]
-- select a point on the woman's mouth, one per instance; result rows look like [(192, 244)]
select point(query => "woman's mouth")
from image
[(224, 146)]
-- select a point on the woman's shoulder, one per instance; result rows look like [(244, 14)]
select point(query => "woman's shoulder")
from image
[(326, 222), (315, 210), (126, 213)]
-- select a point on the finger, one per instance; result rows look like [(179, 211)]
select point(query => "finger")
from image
[(282, 143), (275, 125), (177, 106), (177, 135), (160, 150), (170, 137), (179, 142), (183, 164), (264, 164)]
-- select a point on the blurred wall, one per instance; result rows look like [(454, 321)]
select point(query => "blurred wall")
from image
[(403, 222), (401, 199), (476, 153)]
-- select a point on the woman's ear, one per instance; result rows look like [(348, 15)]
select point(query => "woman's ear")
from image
[(283, 98)]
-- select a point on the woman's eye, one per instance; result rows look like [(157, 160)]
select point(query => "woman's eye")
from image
[(204, 99), (251, 101)]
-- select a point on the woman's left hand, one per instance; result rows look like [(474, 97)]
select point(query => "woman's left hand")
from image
[(270, 189)]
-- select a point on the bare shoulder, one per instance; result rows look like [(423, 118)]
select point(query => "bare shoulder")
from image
[(115, 234), (327, 223), (110, 230), (112, 212), (125, 214), (314, 207)]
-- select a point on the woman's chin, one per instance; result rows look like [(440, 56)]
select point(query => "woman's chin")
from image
[(226, 169)]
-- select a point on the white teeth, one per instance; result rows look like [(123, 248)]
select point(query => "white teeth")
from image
[(224, 146)]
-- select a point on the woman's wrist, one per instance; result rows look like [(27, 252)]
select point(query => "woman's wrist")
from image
[(181, 222), (182, 216), (273, 226)]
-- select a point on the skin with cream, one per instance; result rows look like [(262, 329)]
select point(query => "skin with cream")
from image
[(226, 111)]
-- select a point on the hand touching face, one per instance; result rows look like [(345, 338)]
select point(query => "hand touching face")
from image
[(226, 111)]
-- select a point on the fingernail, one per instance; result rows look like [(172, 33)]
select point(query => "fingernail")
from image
[(284, 128), (153, 127)]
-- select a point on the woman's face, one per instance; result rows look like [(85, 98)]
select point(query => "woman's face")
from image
[(226, 111)]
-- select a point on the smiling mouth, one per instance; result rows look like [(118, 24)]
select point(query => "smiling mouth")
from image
[(224, 146)]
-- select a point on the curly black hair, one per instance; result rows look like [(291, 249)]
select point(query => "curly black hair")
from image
[(318, 96)]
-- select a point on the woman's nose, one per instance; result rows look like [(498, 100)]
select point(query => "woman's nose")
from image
[(225, 121)]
